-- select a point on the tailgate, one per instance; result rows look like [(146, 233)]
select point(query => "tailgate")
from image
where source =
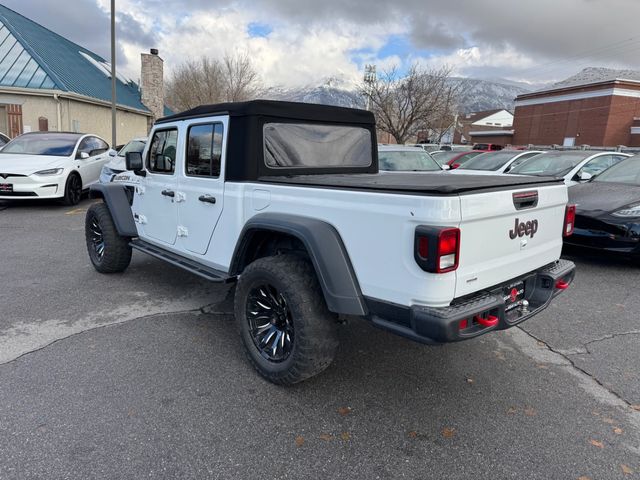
[(499, 242)]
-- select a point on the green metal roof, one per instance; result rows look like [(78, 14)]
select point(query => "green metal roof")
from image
[(31, 56)]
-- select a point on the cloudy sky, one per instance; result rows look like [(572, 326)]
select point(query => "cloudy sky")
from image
[(302, 42)]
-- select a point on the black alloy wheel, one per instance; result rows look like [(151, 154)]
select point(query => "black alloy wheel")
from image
[(73, 190), (96, 239), (270, 323)]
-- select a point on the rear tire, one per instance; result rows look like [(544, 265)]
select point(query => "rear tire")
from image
[(72, 190), (288, 332), (109, 252)]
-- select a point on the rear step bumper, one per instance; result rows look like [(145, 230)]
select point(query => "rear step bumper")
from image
[(476, 314)]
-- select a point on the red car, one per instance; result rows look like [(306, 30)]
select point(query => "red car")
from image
[(455, 159)]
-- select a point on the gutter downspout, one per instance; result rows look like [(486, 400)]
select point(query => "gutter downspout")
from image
[(56, 97)]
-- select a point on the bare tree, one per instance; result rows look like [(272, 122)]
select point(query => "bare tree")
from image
[(406, 105), (207, 80)]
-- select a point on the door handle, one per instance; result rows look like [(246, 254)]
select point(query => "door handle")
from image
[(207, 199), (168, 193)]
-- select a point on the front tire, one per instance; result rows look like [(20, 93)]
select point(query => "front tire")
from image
[(109, 252), (288, 332), (72, 190)]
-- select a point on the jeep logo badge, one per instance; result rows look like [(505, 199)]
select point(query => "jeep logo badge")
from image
[(523, 228)]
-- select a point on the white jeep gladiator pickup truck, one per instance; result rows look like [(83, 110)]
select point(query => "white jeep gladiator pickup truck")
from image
[(285, 199)]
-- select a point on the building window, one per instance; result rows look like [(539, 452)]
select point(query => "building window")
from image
[(43, 124)]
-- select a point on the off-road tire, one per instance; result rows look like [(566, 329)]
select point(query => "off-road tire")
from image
[(315, 339), (116, 252), (72, 190)]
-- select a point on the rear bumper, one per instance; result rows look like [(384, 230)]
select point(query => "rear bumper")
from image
[(476, 314)]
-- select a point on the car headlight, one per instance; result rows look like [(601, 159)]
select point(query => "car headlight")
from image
[(631, 211), (51, 171)]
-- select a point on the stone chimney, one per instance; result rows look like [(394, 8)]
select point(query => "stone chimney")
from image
[(152, 85)]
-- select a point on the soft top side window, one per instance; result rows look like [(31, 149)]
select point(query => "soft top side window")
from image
[(308, 145)]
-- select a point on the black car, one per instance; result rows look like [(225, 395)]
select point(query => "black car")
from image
[(608, 210)]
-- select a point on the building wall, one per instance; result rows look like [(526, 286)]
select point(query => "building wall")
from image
[(497, 139), (75, 115), (501, 119), (621, 118), (550, 123)]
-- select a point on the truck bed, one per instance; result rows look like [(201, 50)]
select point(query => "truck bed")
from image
[(417, 183)]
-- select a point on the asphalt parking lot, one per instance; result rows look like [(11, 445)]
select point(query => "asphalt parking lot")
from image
[(142, 374)]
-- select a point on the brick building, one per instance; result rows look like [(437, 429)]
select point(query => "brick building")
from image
[(600, 113)]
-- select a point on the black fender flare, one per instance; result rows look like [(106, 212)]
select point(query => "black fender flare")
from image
[(326, 250), (115, 197)]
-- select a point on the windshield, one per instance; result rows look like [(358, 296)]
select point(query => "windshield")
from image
[(52, 144), (627, 171), (132, 146), (407, 160), (488, 161), (551, 164)]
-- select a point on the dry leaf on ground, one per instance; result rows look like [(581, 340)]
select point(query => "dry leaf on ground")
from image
[(326, 437), (626, 470), (596, 443), (346, 436), (530, 411), (344, 411), (412, 434), (299, 441), (617, 431), (448, 432)]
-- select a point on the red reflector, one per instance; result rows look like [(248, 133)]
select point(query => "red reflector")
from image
[(423, 247), (490, 321), (562, 285), (569, 220), (464, 324)]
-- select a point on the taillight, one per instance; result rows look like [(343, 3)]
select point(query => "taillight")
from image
[(448, 245), (569, 220), (437, 249)]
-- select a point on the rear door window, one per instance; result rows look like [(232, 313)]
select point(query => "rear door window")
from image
[(204, 150)]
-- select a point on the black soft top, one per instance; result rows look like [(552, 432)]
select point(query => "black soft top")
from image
[(277, 109), (245, 144)]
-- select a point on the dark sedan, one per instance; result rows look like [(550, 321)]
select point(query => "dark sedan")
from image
[(608, 210)]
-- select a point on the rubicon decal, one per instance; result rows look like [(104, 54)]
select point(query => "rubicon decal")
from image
[(522, 229)]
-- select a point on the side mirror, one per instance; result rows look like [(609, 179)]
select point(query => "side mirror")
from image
[(83, 155), (584, 176), (133, 161), (97, 151), (446, 167), (112, 153)]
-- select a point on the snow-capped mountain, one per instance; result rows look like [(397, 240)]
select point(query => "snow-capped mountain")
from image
[(475, 95), (596, 74)]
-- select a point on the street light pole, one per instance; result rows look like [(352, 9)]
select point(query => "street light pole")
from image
[(113, 74)]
